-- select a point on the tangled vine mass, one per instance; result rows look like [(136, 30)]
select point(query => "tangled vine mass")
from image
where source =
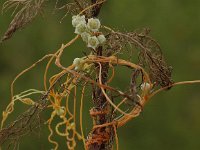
[(112, 107)]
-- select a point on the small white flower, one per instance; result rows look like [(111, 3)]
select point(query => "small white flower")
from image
[(80, 28), (93, 24), (71, 126), (85, 36), (78, 63), (101, 39), (145, 87), (77, 20), (93, 42), (60, 111)]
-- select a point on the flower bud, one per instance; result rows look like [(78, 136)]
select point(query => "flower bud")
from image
[(93, 42), (101, 39), (145, 87), (93, 24)]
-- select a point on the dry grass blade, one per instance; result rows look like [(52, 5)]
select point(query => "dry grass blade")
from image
[(25, 11)]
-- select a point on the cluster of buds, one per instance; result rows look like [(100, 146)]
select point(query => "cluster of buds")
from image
[(87, 30), (81, 65)]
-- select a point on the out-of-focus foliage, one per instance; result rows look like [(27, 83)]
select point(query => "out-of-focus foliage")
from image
[(171, 119)]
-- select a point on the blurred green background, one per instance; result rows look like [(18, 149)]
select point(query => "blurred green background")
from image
[(171, 120)]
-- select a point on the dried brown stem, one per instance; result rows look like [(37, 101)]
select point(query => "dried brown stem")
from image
[(100, 102), (78, 4)]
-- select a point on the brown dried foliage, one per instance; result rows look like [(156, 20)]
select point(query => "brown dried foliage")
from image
[(150, 54)]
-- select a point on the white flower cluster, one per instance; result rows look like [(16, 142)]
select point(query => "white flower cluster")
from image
[(81, 65), (87, 30)]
